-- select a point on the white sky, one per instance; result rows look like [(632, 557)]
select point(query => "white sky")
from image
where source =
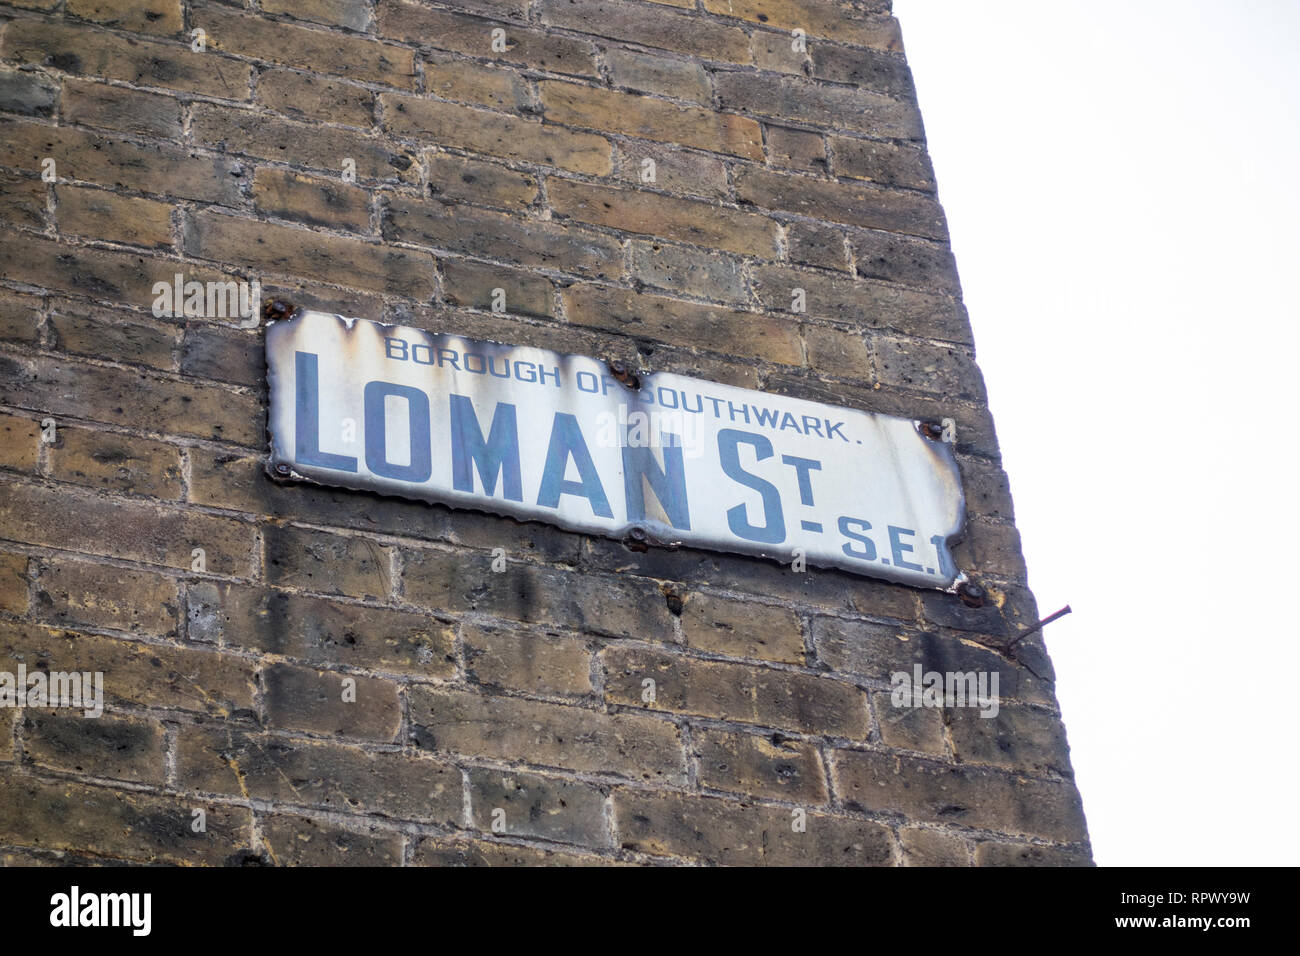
[(1120, 182)]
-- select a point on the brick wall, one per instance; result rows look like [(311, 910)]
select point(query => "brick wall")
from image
[(518, 168)]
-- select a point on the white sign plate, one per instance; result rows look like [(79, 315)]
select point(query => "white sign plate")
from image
[(557, 438)]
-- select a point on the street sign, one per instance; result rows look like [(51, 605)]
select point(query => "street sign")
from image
[(562, 439)]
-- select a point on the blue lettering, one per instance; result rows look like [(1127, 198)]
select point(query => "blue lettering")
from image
[(497, 456), (417, 404), (307, 418), (566, 442), (729, 442)]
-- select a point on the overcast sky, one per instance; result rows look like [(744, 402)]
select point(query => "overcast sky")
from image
[(1120, 183)]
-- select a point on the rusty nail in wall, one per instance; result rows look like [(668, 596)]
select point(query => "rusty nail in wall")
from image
[(971, 594), (278, 309), (622, 373)]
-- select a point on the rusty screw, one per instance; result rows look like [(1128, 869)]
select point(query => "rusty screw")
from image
[(971, 594), (622, 373), (932, 430), (278, 309), (282, 469)]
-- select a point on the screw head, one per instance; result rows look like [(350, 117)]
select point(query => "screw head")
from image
[(971, 594)]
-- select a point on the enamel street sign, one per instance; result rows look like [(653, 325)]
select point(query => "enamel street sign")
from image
[(558, 438)]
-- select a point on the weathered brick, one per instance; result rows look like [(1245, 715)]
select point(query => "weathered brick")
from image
[(683, 323), (485, 184), (647, 26), (291, 840), (731, 833), (947, 611), (598, 603), (223, 354), (987, 488), (798, 100), (837, 352), (762, 766), (989, 853), (300, 252), (796, 149), (300, 698), (495, 134), (455, 79), (866, 69), (474, 284), (864, 303), (106, 215), (925, 265), (938, 369), (319, 630), (889, 164), (1015, 738), (932, 848), (647, 73), (532, 805), (327, 563), (121, 397), (94, 157), (138, 16), (720, 625), (889, 210), (122, 527), (537, 663), (548, 735), (777, 53), (740, 692), (675, 171), (323, 774), (909, 728), (19, 317), (682, 269), (14, 583), (442, 852), (20, 440), (352, 57), (70, 592), (840, 21), (28, 92), (238, 481), (536, 49), (302, 144), (877, 651), (63, 815), (22, 202), (935, 792), (574, 104), (530, 242), (118, 747), (311, 199), (353, 14), (110, 334), (666, 217), (770, 581), (73, 49), (160, 676), (306, 96), (813, 244), (116, 107)]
